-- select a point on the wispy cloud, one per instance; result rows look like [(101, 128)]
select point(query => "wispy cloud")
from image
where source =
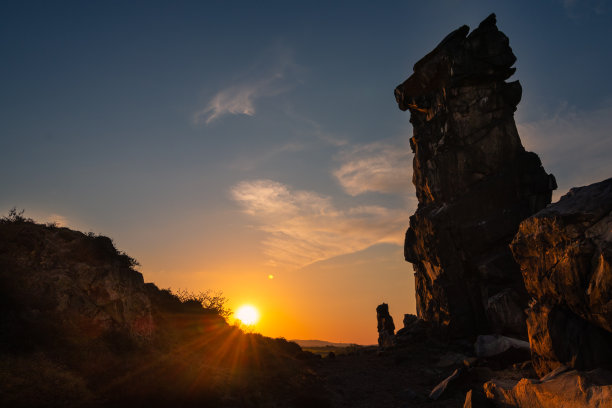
[(378, 167), (304, 227), (576, 146), (314, 128), (251, 161), (268, 78)]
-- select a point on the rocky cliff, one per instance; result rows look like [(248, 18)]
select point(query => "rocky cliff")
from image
[(474, 181), (75, 286), (565, 255)]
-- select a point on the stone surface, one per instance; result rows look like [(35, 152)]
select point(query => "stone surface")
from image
[(488, 346), (440, 388), (451, 359), (565, 253), (386, 327), (57, 277), (409, 320), (414, 329), (571, 389), (505, 312), (475, 399), (474, 181)]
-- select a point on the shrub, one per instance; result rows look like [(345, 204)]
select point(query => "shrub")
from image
[(16, 216), (212, 301)]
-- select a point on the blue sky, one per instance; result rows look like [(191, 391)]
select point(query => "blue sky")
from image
[(221, 142)]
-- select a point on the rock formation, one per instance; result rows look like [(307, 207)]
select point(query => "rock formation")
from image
[(386, 327), (565, 255), (474, 181), (563, 389), (78, 284)]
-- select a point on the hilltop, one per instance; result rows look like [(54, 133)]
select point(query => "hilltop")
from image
[(80, 327)]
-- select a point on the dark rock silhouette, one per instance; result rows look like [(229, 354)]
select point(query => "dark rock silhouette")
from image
[(565, 254), (385, 326), (474, 181), (414, 329)]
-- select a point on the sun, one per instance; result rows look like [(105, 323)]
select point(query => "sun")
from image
[(247, 314)]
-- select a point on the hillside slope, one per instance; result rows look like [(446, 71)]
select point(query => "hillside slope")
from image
[(80, 327)]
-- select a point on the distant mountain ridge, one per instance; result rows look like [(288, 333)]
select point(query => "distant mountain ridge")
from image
[(322, 343)]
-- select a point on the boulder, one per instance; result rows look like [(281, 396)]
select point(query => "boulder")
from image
[(565, 253), (474, 181), (386, 327), (570, 389), (489, 346)]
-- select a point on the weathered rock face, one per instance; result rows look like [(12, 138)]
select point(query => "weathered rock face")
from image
[(572, 389), (474, 181), (75, 286), (565, 255), (386, 327)]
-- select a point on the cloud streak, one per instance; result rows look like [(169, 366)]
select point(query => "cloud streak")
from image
[(304, 227), (263, 80), (376, 167)]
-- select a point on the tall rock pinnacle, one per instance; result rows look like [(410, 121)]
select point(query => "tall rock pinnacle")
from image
[(474, 181)]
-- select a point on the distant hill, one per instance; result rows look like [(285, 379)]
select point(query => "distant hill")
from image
[(321, 343)]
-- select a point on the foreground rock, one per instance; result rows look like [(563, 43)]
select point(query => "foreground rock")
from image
[(572, 389), (565, 253), (474, 181)]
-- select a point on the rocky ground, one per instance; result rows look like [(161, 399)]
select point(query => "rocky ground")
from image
[(405, 376)]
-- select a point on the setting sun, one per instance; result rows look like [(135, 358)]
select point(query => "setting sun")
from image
[(247, 314)]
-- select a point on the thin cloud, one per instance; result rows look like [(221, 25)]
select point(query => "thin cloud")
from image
[(315, 129), (251, 161), (575, 146), (304, 227), (234, 100), (377, 167), (264, 80)]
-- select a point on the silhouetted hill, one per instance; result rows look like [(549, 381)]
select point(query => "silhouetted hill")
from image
[(80, 327), (321, 343)]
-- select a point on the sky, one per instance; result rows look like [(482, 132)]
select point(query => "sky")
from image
[(256, 148)]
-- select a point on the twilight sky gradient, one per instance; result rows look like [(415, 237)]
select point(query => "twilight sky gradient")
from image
[(221, 142)]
